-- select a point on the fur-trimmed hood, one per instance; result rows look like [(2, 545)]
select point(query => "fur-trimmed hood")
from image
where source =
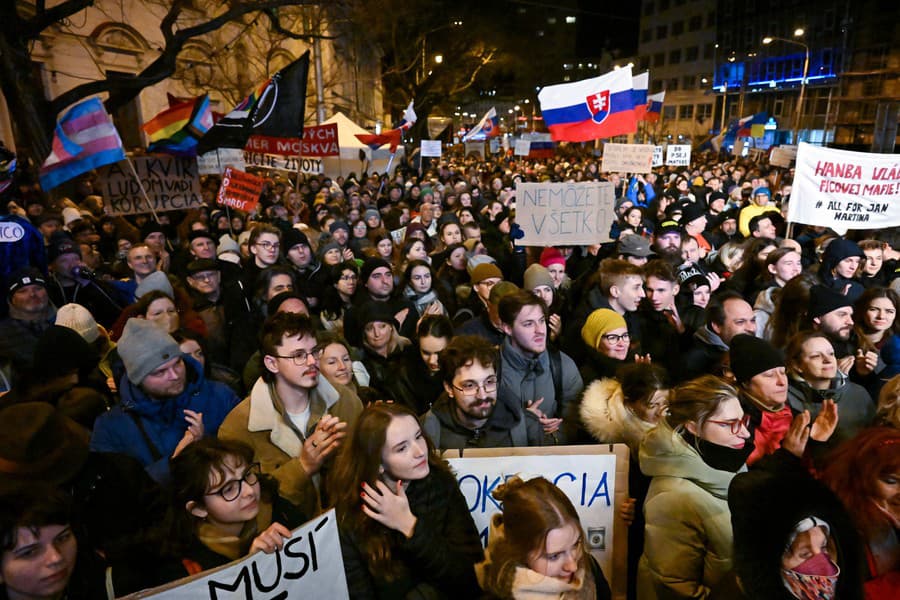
[(605, 416)]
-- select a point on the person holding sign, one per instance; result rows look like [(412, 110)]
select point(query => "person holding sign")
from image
[(537, 547), (405, 529)]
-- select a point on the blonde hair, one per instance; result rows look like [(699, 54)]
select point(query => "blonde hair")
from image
[(889, 403)]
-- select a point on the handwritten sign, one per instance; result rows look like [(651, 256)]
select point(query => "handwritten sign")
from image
[(783, 156), (292, 164), (318, 141), (594, 478), (678, 155), (845, 190), (215, 161), (657, 156), (171, 183), (240, 190), (627, 158), (308, 566), (523, 147), (431, 148), (551, 214)]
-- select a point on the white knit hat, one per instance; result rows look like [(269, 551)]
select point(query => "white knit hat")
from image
[(80, 320), (70, 215)]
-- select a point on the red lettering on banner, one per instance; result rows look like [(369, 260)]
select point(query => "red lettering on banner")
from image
[(845, 171)]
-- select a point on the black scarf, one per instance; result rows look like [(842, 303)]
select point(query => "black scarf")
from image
[(723, 458)]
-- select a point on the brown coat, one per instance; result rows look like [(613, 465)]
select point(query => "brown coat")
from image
[(259, 420)]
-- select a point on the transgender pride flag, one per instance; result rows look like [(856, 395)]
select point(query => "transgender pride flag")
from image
[(591, 109), (85, 138)]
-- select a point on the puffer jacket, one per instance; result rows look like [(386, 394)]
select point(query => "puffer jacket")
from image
[(687, 539), (605, 416)]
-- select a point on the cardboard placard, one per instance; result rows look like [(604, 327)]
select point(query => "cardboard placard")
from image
[(783, 156), (678, 155), (552, 214), (431, 148), (318, 141), (240, 190), (845, 190), (171, 183), (215, 161), (595, 478), (657, 156), (292, 164), (627, 158), (523, 147), (475, 148), (308, 566)]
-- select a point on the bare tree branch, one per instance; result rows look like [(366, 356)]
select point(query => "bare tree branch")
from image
[(45, 17), (277, 27)]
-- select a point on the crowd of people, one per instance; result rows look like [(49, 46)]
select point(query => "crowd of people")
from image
[(181, 389)]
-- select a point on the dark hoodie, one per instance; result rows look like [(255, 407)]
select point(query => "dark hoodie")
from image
[(504, 428), (838, 250)]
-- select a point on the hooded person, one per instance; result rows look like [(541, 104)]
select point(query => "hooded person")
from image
[(840, 261)]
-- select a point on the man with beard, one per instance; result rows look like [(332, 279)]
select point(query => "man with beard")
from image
[(293, 419), (167, 402), (667, 242), (545, 384), (832, 313), (467, 414), (30, 315)]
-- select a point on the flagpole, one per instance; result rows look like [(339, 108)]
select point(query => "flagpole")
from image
[(143, 191), (387, 172)]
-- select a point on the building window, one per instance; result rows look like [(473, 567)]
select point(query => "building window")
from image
[(677, 27), (672, 85), (704, 111), (691, 53), (686, 111), (668, 112), (662, 31), (644, 63), (675, 57), (695, 23), (659, 59), (689, 82), (709, 51), (570, 20), (647, 35)]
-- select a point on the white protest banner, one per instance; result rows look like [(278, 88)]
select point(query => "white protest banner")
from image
[(678, 155), (523, 147), (431, 148), (845, 190), (171, 183), (291, 164), (783, 156), (657, 156), (475, 148), (627, 158), (215, 161), (595, 478), (551, 214), (308, 566)]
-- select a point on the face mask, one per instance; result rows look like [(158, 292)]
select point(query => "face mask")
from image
[(723, 458), (814, 579)]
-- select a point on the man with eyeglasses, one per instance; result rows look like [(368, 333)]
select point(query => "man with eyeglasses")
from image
[(167, 402), (467, 414), (293, 419), (265, 251), (204, 285), (544, 385)]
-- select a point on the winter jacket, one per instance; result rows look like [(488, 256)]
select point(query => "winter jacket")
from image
[(856, 411), (763, 309), (162, 420), (687, 538), (383, 376), (605, 416), (706, 356), (437, 562), (506, 427), (260, 421), (524, 380)]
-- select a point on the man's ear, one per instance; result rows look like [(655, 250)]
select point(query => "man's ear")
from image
[(449, 389), (771, 269), (717, 329), (506, 328), (195, 509), (270, 363), (614, 291), (675, 289), (691, 426)]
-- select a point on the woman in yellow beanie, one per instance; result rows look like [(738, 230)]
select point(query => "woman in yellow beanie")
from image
[(606, 336)]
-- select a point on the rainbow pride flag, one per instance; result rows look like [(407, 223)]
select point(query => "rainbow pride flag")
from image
[(177, 129)]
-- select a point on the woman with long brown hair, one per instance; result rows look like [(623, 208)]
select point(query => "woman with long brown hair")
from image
[(405, 528)]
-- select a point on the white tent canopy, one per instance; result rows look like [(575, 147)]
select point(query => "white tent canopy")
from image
[(350, 147)]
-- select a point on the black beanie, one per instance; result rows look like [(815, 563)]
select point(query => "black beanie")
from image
[(749, 356), (370, 265), (823, 300)]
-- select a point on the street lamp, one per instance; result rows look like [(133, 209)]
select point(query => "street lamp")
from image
[(799, 116)]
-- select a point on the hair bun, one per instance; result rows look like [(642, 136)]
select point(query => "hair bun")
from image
[(507, 488)]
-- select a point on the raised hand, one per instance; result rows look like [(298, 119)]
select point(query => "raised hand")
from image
[(271, 539), (322, 443)]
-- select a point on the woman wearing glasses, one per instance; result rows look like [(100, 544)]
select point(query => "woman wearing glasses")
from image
[(405, 529), (692, 456), (606, 336), (222, 508)]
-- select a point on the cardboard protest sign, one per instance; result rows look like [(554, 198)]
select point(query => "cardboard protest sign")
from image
[(551, 214), (171, 183), (595, 478), (657, 156), (318, 141), (431, 148), (783, 156), (292, 164), (523, 147), (678, 155), (755, 154), (845, 190), (627, 158), (215, 161), (240, 190), (475, 148), (308, 566)]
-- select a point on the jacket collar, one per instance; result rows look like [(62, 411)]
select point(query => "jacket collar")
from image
[(268, 414)]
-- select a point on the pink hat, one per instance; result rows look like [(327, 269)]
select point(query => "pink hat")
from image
[(552, 256)]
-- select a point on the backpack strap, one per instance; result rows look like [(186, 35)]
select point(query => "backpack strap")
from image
[(556, 373), (154, 451)]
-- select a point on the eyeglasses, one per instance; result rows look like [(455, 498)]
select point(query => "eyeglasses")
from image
[(232, 488), (735, 424), (612, 338), (349, 277), (269, 245), (470, 388), (301, 357), (205, 276)]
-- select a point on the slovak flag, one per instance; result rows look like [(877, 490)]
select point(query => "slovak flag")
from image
[(488, 127), (392, 136), (590, 109), (640, 84), (654, 106)]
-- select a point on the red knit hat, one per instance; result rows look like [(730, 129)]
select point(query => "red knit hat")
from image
[(552, 256)]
